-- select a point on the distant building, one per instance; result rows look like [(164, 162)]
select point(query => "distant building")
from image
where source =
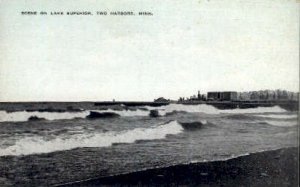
[(199, 96), (244, 96), (294, 96), (222, 96), (268, 95), (193, 98)]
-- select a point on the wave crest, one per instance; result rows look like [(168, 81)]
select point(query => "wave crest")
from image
[(209, 109), (37, 144), (278, 116), (168, 110), (24, 115)]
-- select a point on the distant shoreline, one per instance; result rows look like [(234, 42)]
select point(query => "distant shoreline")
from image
[(49, 106)]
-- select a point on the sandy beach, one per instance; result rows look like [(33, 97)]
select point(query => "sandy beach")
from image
[(269, 168)]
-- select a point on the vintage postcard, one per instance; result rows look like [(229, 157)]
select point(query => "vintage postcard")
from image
[(149, 93)]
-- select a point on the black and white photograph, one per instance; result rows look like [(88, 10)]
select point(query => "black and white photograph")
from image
[(149, 93)]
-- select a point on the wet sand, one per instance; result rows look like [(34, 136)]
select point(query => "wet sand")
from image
[(270, 168)]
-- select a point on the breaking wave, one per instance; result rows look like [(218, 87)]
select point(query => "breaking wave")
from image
[(274, 109), (278, 116), (167, 110), (163, 110), (24, 115), (209, 109), (37, 144), (137, 112)]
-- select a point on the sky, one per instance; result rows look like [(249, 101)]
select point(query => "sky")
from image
[(186, 46)]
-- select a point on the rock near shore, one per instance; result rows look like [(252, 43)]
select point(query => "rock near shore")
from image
[(95, 115)]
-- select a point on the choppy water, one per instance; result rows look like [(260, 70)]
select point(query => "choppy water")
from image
[(68, 147)]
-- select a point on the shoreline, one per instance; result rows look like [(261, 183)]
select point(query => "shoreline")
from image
[(268, 168)]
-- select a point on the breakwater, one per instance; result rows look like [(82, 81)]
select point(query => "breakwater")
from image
[(131, 103)]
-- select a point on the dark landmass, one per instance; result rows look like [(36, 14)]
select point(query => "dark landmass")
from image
[(131, 103), (96, 115), (270, 168)]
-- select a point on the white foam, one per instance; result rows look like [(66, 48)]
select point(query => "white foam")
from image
[(185, 108), (274, 109), (209, 109), (24, 115), (278, 116), (202, 108), (126, 112), (37, 144)]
